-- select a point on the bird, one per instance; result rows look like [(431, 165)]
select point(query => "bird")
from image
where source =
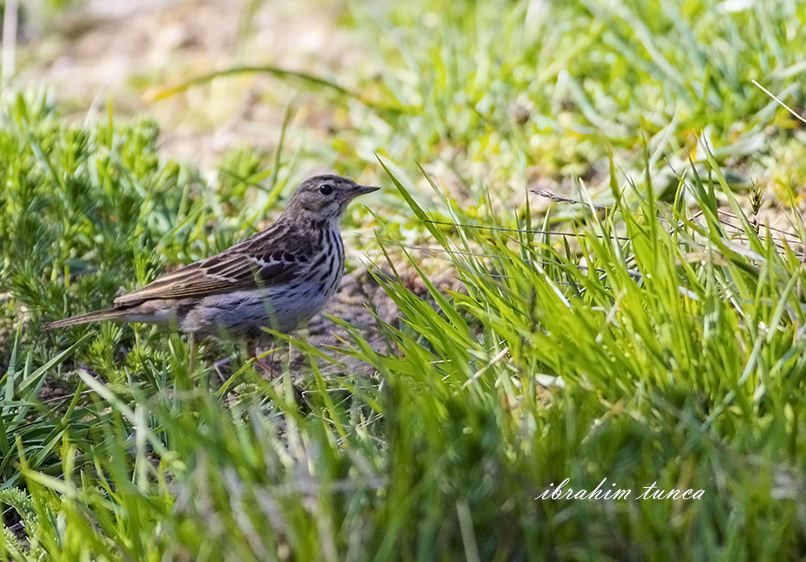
[(278, 278)]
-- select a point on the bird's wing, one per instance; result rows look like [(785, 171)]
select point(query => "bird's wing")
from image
[(223, 272)]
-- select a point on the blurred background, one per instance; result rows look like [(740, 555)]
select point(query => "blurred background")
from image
[(498, 94), (126, 51)]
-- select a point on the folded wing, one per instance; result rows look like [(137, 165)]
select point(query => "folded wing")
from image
[(223, 272)]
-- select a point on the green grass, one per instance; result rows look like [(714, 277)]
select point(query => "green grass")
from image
[(656, 345)]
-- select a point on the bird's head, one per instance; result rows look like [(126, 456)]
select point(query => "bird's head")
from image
[(322, 200)]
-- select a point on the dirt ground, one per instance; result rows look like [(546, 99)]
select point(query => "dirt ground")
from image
[(126, 51)]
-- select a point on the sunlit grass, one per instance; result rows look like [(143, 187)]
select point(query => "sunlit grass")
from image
[(648, 342)]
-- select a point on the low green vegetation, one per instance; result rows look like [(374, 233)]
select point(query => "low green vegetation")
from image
[(653, 343)]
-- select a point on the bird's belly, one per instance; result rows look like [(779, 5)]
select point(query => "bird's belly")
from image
[(241, 314)]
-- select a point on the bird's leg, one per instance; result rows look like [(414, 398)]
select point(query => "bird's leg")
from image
[(289, 357), (264, 366), (217, 366), (297, 392), (193, 349)]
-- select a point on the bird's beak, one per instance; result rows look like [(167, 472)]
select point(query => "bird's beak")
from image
[(362, 190)]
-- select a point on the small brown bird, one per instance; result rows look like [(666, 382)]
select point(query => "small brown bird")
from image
[(279, 277)]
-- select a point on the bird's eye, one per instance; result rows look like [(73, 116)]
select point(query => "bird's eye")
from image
[(326, 189)]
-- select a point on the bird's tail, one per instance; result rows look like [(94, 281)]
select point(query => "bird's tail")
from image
[(112, 314)]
